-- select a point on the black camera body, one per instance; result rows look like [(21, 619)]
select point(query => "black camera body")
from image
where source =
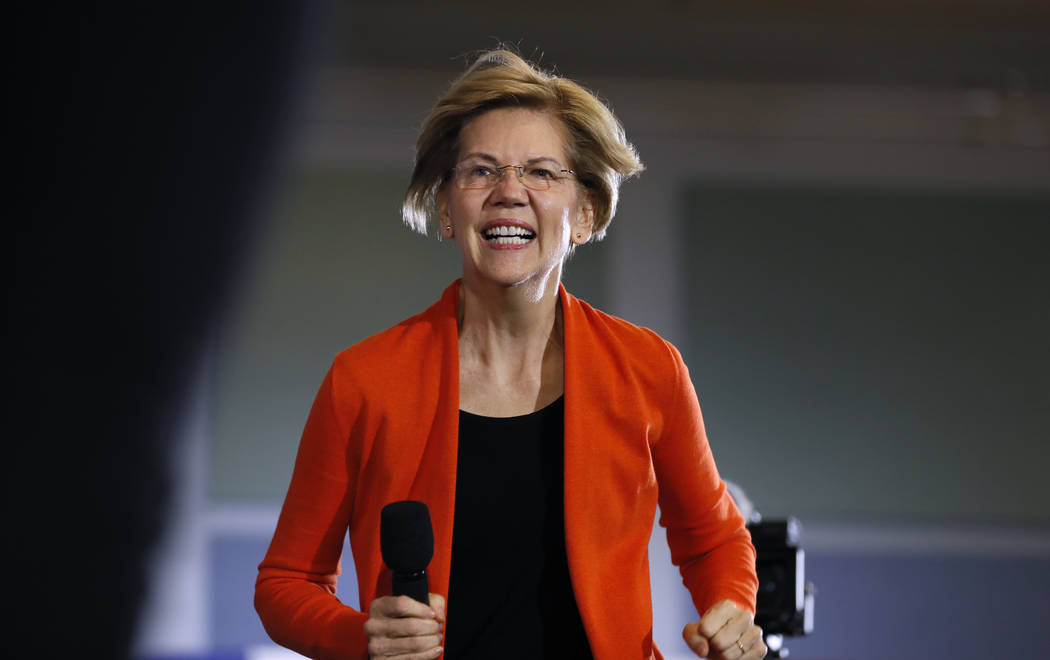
[(785, 599)]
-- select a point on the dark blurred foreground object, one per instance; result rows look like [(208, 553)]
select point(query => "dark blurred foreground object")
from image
[(146, 139), (785, 599)]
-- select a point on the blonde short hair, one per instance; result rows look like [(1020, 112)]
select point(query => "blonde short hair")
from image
[(597, 147)]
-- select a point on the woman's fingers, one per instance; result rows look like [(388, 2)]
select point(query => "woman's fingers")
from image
[(694, 640), (752, 641), (720, 614), (400, 607), (404, 627), (748, 646), (400, 627), (728, 635), (725, 632), (426, 646), (437, 604)]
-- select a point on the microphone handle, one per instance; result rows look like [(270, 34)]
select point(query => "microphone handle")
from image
[(412, 584)]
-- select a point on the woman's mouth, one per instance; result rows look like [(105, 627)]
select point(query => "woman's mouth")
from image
[(507, 235)]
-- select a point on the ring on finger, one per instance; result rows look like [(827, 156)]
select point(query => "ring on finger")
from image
[(741, 647)]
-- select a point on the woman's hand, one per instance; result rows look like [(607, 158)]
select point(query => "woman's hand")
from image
[(400, 627), (725, 632)]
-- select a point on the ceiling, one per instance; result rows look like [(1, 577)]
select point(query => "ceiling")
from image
[(1001, 44)]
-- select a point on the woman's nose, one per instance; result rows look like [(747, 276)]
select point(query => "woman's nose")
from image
[(510, 189)]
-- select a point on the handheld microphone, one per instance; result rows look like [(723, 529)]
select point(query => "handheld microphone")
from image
[(406, 539)]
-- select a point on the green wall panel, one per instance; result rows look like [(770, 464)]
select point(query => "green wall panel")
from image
[(873, 355)]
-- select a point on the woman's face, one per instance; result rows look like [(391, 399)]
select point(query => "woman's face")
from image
[(545, 221)]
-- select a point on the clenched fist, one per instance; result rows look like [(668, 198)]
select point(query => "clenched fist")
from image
[(725, 632)]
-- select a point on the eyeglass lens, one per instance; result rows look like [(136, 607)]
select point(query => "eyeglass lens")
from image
[(484, 175)]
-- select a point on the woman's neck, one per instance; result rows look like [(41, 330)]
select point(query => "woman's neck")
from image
[(510, 348), (508, 319)]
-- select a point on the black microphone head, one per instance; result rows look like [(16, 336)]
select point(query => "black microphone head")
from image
[(406, 536)]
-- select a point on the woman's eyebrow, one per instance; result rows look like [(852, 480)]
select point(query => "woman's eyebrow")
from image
[(481, 155), (489, 157), (537, 159)]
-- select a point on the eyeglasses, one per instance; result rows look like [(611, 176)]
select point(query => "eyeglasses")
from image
[(541, 175)]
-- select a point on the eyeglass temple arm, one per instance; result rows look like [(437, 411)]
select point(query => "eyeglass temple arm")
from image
[(521, 170)]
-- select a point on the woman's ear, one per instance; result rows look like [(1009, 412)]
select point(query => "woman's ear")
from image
[(583, 226), (444, 215)]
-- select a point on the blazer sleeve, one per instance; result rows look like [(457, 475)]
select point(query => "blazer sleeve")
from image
[(707, 536), (296, 586)]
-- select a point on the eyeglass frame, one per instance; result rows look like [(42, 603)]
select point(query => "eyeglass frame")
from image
[(521, 175)]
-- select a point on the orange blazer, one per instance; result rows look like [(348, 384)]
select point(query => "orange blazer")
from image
[(384, 427)]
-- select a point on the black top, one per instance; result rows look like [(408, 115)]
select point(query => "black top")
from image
[(509, 592)]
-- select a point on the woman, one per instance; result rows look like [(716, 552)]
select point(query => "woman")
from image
[(540, 432)]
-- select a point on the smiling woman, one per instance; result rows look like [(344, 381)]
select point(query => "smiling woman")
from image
[(544, 217), (592, 137), (541, 433)]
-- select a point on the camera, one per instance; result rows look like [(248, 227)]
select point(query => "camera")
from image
[(785, 599)]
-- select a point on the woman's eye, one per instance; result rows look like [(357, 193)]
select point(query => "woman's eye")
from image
[(541, 173), (480, 171)]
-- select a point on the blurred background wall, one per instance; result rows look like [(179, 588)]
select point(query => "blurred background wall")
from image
[(843, 226)]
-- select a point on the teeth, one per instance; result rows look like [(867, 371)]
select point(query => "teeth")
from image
[(506, 230), (509, 240)]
